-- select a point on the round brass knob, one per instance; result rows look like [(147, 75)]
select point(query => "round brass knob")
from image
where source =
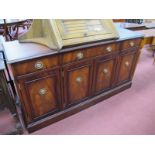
[(127, 64), (109, 49), (79, 55), (105, 71), (39, 65), (42, 91), (132, 43), (79, 79)]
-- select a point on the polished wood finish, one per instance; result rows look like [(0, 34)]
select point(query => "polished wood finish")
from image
[(77, 82), (90, 52), (126, 64), (73, 80), (104, 74), (130, 43), (40, 94), (36, 65), (77, 108), (107, 49), (75, 56)]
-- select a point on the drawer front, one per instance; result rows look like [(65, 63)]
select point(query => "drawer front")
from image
[(41, 95), (104, 49), (130, 44), (77, 82), (74, 56), (126, 64), (35, 65), (90, 52), (104, 74)]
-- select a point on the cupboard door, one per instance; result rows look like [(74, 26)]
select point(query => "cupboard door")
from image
[(104, 74), (77, 82), (126, 65), (42, 94)]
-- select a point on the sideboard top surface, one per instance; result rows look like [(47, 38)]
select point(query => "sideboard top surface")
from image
[(17, 52)]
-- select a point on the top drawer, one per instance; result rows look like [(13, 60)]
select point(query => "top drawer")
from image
[(34, 65), (104, 49), (90, 52), (130, 43)]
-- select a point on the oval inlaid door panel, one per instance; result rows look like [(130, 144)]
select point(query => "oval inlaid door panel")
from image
[(104, 74), (42, 94), (77, 82), (126, 63)]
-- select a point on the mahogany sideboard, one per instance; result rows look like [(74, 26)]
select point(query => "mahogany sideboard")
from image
[(54, 84)]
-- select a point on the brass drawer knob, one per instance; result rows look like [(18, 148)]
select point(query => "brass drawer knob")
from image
[(127, 64), (109, 49), (132, 43), (79, 79), (79, 55), (42, 91), (105, 71), (39, 65)]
